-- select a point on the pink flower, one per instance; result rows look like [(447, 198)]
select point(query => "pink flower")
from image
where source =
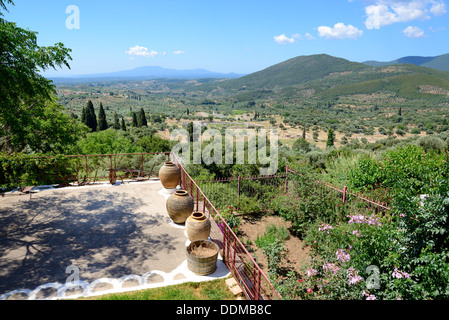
[(309, 290), (342, 255), (325, 227), (300, 280), (311, 272), (353, 276), (371, 297), (331, 267), (399, 274)]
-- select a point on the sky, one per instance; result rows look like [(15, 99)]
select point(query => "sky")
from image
[(240, 36)]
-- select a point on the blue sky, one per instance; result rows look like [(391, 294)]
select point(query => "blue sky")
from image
[(232, 36)]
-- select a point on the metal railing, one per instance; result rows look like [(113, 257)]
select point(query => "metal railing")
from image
[(89, 169), (254, 283)]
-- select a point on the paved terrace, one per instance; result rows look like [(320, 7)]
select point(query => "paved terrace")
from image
[(84, 241)]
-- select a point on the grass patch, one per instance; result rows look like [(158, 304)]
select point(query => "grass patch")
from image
[(271, 234), (206, 290)]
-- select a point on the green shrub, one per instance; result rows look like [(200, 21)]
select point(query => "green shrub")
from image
[(431, 143), (306, 203)]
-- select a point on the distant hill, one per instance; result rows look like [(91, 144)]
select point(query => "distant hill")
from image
[(439, 62), (147, 73), (330, 77), (295, 71)]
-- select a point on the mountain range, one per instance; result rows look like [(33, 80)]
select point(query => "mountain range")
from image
[(440, 62), (329, 77), (320, 75), (147, 73)]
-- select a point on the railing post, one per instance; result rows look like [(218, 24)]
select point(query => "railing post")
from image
[(256, 284), (239, 186)]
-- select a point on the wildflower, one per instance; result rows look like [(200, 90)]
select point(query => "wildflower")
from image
[(360, 218), (353, 276), (311, 272), (331, 267), (399, 274), (371, 297), (300, 280), (356, 232), (342, 255), (309, 290), (325, 227)]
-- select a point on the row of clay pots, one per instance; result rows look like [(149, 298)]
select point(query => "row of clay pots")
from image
[(180, 205)]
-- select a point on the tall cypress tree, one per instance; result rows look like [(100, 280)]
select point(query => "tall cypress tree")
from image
[(91, 118), (83, 116), (116, 121), (330, 138), (134, 121), (142, 120), (123, 125), (102, 123)]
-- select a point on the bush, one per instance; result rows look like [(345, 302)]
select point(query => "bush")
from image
[(305, 204), (406, 167), (430, 143)]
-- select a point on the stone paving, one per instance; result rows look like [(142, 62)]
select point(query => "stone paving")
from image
[(82, 241)]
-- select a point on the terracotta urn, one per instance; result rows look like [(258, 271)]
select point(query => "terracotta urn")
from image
[(198, 226), (169, 174), (179, 206)]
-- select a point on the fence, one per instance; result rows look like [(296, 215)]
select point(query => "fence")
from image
[(80, 169), (254, 193), (244, 268), (353, 202), (246, 194)]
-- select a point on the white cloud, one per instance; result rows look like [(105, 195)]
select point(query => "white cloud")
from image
[(438, 8), (413, 32), (386, 12), (283, 39), (179, 52), (308, 36), (340, 31), (141, 52)]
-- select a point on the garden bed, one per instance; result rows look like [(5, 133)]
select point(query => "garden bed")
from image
[(252, 226)]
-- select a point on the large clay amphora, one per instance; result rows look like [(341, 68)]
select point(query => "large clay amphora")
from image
[(198, 226), (169, 174), (179, 206)]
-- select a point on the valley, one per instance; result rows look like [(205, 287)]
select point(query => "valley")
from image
[(306, 95)]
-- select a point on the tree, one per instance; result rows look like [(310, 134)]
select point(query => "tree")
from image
[(83, 116), (30, 117), (330, 138), (91, 118), (123, 125), (141, 119), (116, 121), (190, 130), (134, 121), (102, 123), (301, 144)]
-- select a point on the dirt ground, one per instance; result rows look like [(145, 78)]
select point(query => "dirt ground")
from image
[(253, 226)]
